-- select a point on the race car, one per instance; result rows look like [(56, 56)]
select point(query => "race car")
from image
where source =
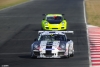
[(54, 22), (52, 44)]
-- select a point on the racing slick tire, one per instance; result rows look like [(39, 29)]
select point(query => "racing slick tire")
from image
[(72, 54), (68, 56)]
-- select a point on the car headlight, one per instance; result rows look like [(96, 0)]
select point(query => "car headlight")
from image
[(46, 23), (36, 46), (62, 46), (63, 23)]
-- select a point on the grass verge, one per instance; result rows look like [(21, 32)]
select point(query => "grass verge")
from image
[(8, 3), (93, 12)]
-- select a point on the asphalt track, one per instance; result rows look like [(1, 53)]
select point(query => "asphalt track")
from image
[(19, 26)]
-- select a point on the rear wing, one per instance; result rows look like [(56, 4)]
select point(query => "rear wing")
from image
[(39, 32)]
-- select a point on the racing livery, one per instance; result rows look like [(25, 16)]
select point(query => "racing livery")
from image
[(54, 22), (52, 44)]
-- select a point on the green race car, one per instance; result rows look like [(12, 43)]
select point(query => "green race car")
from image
[(54, 22)]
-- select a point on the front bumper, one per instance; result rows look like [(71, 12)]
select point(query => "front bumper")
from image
[(54, 28), (58, 54)]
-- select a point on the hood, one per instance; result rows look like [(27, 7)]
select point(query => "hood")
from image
[(49, 43), (45, 43), (52, 43)]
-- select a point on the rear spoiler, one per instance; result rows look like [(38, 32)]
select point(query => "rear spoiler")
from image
[(39, 32)]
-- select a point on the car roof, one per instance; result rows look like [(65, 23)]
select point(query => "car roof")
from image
[(54, 15)]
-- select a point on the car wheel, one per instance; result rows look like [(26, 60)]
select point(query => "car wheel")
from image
[(72, 54), (68, 56)]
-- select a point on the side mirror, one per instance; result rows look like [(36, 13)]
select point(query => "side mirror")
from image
[(64, 19), (63, 14), (35, 39), (43, 14), (68, 39)]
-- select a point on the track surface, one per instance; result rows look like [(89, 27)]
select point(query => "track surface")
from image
[(21, 23)]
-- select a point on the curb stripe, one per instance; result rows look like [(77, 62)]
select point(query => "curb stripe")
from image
[(94, 40)]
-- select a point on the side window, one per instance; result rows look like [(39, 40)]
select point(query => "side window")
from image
[(39, 37), (65, 38)]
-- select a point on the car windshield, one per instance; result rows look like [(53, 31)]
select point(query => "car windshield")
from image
[(54, 37), (55, 18)]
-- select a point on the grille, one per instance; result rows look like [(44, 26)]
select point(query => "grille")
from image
[(54, 28), (62, 27), (55, 22), (48, 53), (61, 53), (48, 47), (37, 53), (47, 27)]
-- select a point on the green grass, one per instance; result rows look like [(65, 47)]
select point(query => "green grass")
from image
[(93, 12)]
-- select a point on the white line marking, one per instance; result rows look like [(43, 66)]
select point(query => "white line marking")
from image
[(95, 50), (91, 31), (96, 66), (95, 45), (96, 37), (95, 58), (87, 32), (94, 34)]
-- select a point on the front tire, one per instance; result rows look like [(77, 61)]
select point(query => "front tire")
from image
[(68, 56), (72, 54)]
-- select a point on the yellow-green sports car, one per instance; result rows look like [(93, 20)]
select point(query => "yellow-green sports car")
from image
[(54, 22)]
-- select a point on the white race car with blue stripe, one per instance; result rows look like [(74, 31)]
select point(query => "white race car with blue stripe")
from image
[(52, 44)]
